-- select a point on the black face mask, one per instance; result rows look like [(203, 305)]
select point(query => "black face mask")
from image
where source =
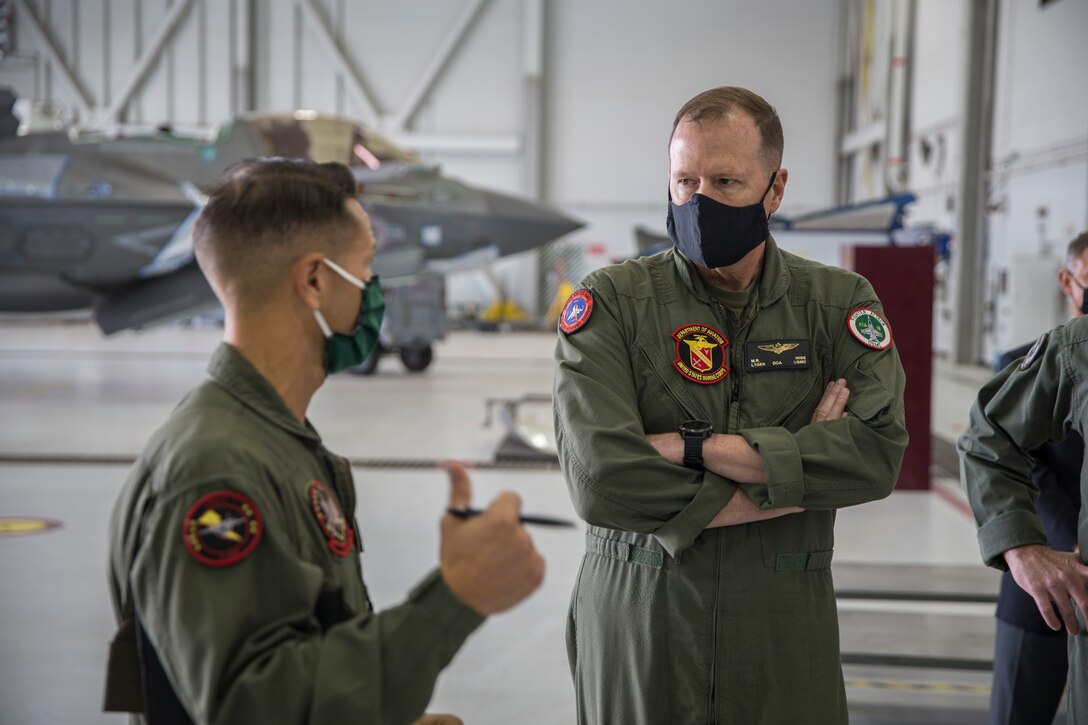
[(713, 234), (1083, 295)]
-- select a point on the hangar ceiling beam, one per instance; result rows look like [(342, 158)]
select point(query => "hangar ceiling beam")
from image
[(340, 60), (86, 106), (450, 43), (147, 59)]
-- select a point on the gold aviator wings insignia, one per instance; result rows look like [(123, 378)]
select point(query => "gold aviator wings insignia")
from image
[(779, 347)]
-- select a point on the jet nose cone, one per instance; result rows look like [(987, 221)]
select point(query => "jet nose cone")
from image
[(519, 225)]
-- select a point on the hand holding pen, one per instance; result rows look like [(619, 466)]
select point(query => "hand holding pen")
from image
[(488, 559)]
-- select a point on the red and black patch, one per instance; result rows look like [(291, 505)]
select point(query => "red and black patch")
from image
[(576, 311), (222, 528), (700, 354), (334, 525)]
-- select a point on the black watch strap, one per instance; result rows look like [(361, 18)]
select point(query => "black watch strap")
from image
[(693, 451)]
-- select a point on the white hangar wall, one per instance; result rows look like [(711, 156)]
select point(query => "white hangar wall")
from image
[(1033, 172), (571, 102), (1038, 181), (562, 100)]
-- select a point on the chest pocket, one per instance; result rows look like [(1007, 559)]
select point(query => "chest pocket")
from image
[(665, 397), (784, 397)]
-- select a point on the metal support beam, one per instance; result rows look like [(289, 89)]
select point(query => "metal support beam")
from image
[(976, 132), (83, 100), (147, 59), (340, 61), (533, 69), (243, 61), (438, 62)]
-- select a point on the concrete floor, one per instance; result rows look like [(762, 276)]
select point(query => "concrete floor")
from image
[(66, 392)]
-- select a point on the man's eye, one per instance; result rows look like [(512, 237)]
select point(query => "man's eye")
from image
[(686, 182), (726, 182)]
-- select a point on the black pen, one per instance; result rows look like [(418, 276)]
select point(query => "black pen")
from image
[(464, 512)]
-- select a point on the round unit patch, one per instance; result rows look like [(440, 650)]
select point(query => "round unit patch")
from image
[(700, 354), (333, 523), (869, 328), (222, 528), (576, 311)]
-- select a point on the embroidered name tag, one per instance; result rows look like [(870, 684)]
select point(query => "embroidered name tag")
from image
[(777, 355)]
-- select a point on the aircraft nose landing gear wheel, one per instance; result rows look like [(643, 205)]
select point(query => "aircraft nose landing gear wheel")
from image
[(416, 359), (368, 366)]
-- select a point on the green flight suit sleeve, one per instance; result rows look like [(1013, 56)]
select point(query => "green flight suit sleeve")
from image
[(616, 478), (241, 644), (1016, 412), (848, 461)]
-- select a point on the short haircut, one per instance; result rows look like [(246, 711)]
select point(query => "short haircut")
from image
[(1076, 248), (263, 214), (717, 103)]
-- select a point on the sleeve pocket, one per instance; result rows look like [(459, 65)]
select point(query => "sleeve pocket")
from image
[(869, 397)]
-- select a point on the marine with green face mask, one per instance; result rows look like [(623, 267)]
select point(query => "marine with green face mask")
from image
[(346, 351), (234, 553)]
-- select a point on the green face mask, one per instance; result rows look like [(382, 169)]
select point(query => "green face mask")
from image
[(342, 350)]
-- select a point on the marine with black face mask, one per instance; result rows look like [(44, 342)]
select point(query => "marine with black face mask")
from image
[(715, 404), (235, 550)]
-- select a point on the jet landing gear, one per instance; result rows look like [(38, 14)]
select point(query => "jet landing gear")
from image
[(416, 359)]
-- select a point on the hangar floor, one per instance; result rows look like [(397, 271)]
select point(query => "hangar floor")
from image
[(75, 408)]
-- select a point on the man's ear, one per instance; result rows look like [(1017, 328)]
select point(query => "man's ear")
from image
[(778, 190), (308, 279), (1065, 282)]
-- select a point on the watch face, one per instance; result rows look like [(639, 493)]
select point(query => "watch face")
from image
[(696, 428)]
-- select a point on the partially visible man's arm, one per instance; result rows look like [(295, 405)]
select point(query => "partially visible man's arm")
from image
[(845, 461), (1016, 412)]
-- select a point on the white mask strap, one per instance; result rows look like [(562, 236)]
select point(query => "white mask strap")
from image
[(325, 329), (345, 274)]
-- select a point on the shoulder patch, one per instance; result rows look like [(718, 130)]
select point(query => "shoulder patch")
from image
[(334, 525), (576, 311), (869, 328), (1035, 351), (700, 354), (222, 528)]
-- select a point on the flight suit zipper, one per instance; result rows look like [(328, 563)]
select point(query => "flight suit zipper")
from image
[(732, 418), (712, 704)]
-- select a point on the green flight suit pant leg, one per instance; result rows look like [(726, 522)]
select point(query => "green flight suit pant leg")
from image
[(1077, 692)]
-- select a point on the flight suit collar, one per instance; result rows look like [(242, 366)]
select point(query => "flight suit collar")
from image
[(231, 371), (773, 283)]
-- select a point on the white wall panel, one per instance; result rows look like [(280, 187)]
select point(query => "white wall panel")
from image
[(186, 54), (1042, 90), (618, 71), (152, 105), (481, 91), (615, 72), (1039, 181)]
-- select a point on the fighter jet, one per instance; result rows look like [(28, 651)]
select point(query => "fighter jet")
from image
[(106, 223)]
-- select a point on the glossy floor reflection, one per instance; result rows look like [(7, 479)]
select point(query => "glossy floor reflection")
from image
[(65, 391)]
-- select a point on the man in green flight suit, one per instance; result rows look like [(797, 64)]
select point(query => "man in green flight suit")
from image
[(702, 424), (1041, 400), (234, 559)]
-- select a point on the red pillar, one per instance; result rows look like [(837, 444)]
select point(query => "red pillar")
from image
[(903, 280)]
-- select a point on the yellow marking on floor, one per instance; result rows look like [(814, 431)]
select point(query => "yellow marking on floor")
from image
[(18, 526), (919, 686)]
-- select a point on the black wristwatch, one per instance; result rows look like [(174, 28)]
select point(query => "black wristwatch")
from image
[(694, 432)]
